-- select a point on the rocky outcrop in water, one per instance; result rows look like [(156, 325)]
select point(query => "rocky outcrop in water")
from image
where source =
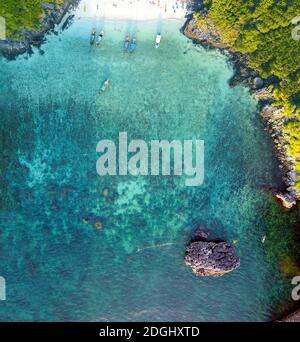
[(207, 35), (53, 15), (211, 258)]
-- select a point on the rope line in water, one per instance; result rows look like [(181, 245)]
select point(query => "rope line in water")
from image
[(156, 246)]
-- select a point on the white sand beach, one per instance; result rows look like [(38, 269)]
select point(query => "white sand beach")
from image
[(133, 9)]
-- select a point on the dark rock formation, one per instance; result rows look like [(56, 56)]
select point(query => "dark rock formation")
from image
[(96, 221), (211, 258)]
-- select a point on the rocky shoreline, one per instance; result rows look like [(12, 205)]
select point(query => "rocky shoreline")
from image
[(53, 15), (208, 36)]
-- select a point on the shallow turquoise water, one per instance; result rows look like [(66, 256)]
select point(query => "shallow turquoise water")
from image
[(57, 267)]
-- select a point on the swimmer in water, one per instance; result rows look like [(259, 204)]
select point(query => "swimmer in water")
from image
[(99, 38), (133, 45), (93, 37), (127, 42), (104, 86)]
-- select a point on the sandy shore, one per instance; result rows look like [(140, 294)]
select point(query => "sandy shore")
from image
[(133, 9)]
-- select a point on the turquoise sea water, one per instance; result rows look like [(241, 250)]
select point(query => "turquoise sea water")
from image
[(59, 268)]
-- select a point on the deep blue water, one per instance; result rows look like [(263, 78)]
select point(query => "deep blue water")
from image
[(59, 268)]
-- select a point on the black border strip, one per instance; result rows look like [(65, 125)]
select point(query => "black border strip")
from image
[(221, 331)]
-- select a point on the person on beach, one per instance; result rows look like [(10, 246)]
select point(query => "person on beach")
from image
[(126, 42), (99, 38), (157, 40), (133, 45), (104, 87)]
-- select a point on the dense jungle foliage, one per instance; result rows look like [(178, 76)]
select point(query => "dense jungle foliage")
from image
[(23, 14), (262, 30)]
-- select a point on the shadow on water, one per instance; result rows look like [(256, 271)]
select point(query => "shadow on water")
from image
[(106, 72), (159, 25)]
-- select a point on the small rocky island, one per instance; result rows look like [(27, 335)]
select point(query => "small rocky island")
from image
[(210, 258)]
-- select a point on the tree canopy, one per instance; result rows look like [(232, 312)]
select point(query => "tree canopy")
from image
[(22, 14), (262, 30)]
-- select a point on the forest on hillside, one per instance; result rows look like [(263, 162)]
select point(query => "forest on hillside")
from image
[(262, 30), (23, 14)]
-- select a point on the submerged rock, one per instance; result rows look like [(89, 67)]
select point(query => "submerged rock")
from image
[(201, 235), (98, 225), (210, 258), (96, 221), (105, 192)]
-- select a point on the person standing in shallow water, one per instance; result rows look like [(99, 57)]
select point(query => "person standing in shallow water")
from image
[(133, 45), (99, 38), (93, 37), (126, 43)]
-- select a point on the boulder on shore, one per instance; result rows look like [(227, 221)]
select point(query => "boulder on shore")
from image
[(286, 200), (258, 83), (210, 258)]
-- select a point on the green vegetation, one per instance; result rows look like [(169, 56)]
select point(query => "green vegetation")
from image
[(262, 30), (22, 14)]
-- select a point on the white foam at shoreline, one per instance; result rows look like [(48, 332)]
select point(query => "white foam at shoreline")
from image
[(133, 9)]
